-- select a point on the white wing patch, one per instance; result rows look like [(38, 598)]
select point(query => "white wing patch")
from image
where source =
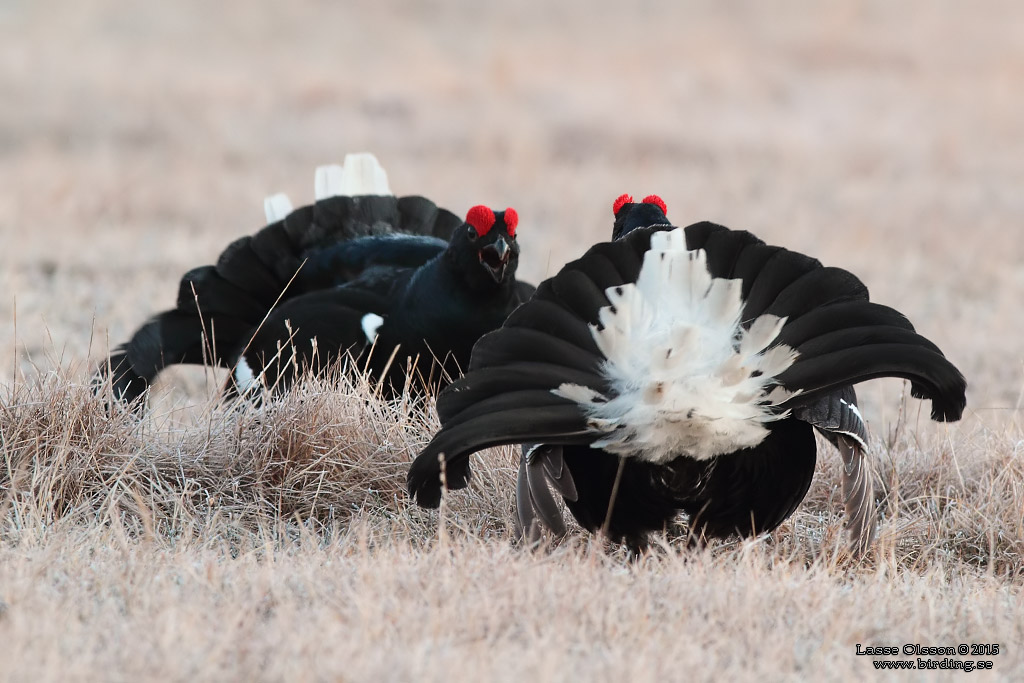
[(371, 322), (276, 207), (686, 377), (244, 377)]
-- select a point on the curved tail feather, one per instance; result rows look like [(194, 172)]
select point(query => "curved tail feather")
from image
[(541, 467), (933, 376), (484, 383), (552, 424), (523, 344), (840, 316), (167, 338), (724, 246), (858, 497), (545, 315), (127, 385)]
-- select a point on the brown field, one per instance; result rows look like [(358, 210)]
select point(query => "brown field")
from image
[(204, 543)]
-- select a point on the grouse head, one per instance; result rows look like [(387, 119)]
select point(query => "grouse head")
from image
[(484, 249), (630, 215)]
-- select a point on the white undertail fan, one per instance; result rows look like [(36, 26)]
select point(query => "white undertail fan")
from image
[(685, 375), (360, 175), (276, 207), (685, 369)]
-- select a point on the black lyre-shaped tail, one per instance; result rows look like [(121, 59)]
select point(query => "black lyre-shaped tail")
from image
[(312, 248), (507, 396)]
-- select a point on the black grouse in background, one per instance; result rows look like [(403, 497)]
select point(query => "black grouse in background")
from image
[(395, 320), (333, 266), (681, 370)]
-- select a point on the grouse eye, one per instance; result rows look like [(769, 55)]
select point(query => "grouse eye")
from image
[(471, 232)]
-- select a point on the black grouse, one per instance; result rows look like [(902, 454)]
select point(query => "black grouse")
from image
[(396, 320), (681, 370), (332, 266)]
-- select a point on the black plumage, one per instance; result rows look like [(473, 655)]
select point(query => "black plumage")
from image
[(399, 318), (542, 380), (316, 273)]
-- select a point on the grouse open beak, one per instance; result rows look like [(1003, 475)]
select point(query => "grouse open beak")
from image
[(494, 258)]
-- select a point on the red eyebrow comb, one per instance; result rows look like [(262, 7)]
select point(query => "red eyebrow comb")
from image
[(657, 201), (511, 221), (481, 218), (620, 202)]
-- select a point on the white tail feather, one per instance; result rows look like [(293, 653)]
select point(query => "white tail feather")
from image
[(361, 174), (327, 181), (686, 377), (276, 207), (761, 333), (364, 175)]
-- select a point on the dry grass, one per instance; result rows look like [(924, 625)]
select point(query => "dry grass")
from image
[(468, 610), (276, 543), (213, 543)]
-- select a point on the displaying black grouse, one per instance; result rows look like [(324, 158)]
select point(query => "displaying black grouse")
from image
[(331, 270), (681, 370), (394, 319)]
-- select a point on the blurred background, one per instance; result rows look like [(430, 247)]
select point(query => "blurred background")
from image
[(138, 139)]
